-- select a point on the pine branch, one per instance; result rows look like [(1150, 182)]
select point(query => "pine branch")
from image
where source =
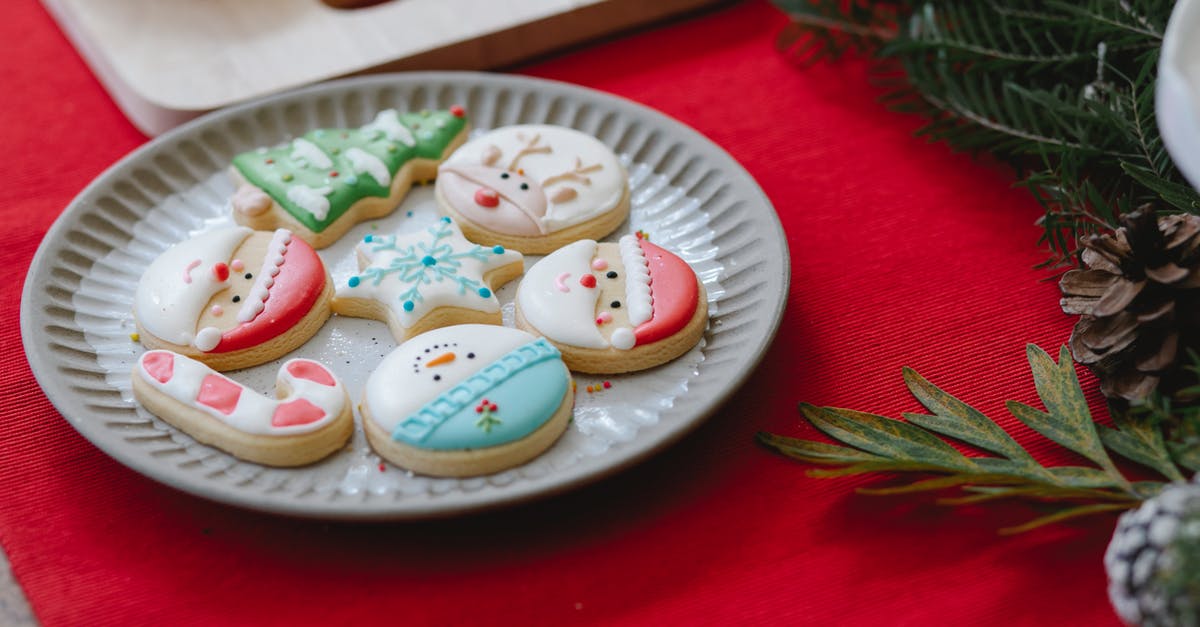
[(870, 444)]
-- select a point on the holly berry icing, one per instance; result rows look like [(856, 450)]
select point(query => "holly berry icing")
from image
[(183, 296), (416, 273), (532, 180), (468, 386), (561, 295), (317, 177)]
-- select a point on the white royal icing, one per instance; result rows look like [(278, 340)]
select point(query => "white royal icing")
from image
[(638, 298), (388, 123), (601, 193), (566, 317), (167, 306), (623, 338), (363, 161), (311, 199), (401, 385), (396, 272), (253, 411), (256, 299), (308, 152)]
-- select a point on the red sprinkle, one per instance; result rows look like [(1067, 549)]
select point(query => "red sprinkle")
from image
[(381, 466), (587, 280), (221, 271), (607, 385), (333, 174), (479, 410), (457, 111), (270, 161), (493, 407)]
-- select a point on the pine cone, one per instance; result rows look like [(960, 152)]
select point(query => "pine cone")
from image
[(1138, 303), (1150, 577)]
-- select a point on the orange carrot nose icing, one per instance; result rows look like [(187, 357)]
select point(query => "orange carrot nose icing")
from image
[(444, 358)]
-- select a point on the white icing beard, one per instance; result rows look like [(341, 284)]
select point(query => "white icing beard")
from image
[(557, 305), (403, 383), (175, 289), (569, 149)]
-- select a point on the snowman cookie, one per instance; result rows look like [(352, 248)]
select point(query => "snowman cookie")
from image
[(233, 297), (427, 279), (467, 400), (311, 417), (614, 308), (323, 183), (534, 188)]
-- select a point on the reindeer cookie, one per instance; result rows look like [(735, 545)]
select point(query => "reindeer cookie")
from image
[(467, 400), (234, 297), (311, 418), (325, 182), (534, 188), (431, 278), (614, 308)]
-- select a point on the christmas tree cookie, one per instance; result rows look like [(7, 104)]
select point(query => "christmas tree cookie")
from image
[(614, 307), (534, 188), (467, 400), (427, 279), (322, 184)]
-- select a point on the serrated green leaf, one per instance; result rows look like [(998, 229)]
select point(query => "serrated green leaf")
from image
[(886, 437), (1134, 443), (1067, 420), (1083, 477), (817, 452), (959, 420)]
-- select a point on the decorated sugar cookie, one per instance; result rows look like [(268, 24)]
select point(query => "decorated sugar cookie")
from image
[(427, 279), (467, 400), (614, 307), (233, 297), (534, 188), (325, 182), (311, 418)]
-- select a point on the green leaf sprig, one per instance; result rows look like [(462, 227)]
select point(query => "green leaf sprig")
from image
[(871, 443)]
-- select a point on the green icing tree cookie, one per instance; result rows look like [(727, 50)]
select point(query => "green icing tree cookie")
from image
[(321, 177)]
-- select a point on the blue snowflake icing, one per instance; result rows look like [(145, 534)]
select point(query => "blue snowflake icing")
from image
[(425, 263)]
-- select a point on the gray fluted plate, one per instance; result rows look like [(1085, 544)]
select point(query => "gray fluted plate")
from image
[(690, 196)]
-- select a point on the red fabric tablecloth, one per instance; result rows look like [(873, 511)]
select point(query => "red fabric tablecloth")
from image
[(903, 253)]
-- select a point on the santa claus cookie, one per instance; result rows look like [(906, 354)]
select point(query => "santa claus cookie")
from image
[(233, 297), (311, 418), (325, 182), (427, 279), (467, 400), (614, 308), (534, 188)]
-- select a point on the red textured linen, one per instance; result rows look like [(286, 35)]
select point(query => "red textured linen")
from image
[(903, 253)]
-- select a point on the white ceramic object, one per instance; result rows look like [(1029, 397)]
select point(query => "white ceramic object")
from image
[(1177, 91), (691, 197)]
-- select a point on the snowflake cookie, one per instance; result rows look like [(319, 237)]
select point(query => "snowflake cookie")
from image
[(467, 400), (321, 184), (428, 279)]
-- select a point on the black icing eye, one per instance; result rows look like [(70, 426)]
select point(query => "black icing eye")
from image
[(249, 276), (504, 175), (428, 349), (470, 355), (524, 185), (616, 304), (237, 299), (611, 274), (437, 377)]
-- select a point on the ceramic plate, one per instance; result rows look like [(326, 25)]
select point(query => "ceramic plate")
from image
[(687, 194)]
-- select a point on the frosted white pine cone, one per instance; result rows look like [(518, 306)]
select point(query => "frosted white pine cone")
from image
[(1142, 552)]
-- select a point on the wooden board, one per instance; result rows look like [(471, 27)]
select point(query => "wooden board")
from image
[(166, 62)]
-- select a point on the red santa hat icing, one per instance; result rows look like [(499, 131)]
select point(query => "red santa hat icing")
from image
[(558, 299), (176, 288)]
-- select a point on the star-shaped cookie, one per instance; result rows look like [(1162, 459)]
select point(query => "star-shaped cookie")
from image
[(428, 279)]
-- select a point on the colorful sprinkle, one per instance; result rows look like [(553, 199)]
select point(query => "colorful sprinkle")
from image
[(382, 467), (607, 384), (237, 265), (409, 305), (485, 292), (603, 318), (499, 250), (270, 161), (287, 178), (457, 111), (368, 238), (333, 174), (599, 264), (354, 281), (135, 337)]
